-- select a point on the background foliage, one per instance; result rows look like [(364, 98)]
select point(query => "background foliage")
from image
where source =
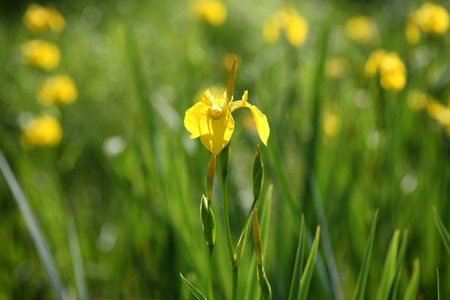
[(129, 178)]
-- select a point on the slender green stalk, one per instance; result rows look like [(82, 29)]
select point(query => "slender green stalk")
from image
[(235, 281), (228, 233), (226, 219), (210, 290)]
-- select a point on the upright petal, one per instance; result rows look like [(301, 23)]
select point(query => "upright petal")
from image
[(192, 118), (261, 123), (215, 133)]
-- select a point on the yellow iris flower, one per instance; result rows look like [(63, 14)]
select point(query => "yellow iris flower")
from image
[(211, 119)]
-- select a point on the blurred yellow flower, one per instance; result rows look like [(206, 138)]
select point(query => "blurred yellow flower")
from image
[(362, 29), (58, 90), (331, 123), (433, 108), (418, 100), (56, 21), (294, 25), (432, 19), (373, 62), (391, 68), (227, 62), (441, 113), (392, 72), (41, 54), (41, 131), (212, 11), (271, 31), (336, 67), (412, 33), (211, 119), (37, 18)]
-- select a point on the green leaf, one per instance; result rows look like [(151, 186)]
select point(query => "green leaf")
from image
[(252, 288), (389, 268), (298, 267), (193, 289), (411, 289), (77, 260), (400, 260), (309, 268), (445, 236), (364, 272), (33, 227)]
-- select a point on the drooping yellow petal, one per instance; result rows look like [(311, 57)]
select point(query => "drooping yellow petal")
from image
[(261, 122), (215, 133), (192, 118)]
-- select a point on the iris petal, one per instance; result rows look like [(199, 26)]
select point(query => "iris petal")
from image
[(215, 133), (192, 118), (261, 123)]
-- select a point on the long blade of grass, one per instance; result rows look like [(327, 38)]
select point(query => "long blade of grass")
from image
[(364, 272), (37, 235), (309, 268), (438, 285), (326, 240), (445, 236), (400, 260), (77, 260), (298, 267), (389, 268), (411, 289), (192, 288), (252, 288)]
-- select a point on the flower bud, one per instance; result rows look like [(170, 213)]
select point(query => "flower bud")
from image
[(258, 175), (257, 240), (204, 208), (208, 222)]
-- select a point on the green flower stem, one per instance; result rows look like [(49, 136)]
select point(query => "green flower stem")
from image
[(228, 233), (225, 217), (235, 280), (210, 290)]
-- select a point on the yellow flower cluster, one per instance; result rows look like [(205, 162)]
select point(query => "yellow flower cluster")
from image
[(41, 131), (41, 54), (38, 18), (391, 68), (55, 90), (58, 90), (418, 100), (294, 25), (432, 19), (212, 11), (362, 29)]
